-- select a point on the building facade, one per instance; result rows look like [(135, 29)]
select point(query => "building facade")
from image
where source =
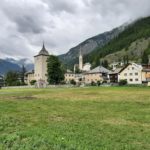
[(97, 74), (132, 73)]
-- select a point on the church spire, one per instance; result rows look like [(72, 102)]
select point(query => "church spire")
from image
[(43, 48), (80, 60)]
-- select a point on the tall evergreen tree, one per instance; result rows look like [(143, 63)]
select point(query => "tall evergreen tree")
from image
[(145, 59), (105, 63), (12, 78), (54, 70), (22, 74)]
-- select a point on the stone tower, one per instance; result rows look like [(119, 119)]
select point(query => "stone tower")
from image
[(40, 65), (80, 61)]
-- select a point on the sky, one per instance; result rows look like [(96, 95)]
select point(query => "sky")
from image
[(61, 24)]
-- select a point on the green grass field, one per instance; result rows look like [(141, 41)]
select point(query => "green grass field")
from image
[(75, 119)]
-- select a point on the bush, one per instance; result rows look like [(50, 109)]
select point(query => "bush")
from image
[(93, 83), (32, 82), (122, 82), (98, 83), (72, 82)]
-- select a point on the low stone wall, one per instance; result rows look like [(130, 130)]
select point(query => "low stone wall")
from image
[(18, 87), (33, 86)]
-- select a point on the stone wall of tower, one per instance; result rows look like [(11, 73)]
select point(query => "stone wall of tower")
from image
[(40, 67)]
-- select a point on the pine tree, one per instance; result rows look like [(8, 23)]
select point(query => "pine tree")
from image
[(22, 74), (145, 59)]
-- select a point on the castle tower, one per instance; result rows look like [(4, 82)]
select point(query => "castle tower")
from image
[(80, 60), (40, 65)]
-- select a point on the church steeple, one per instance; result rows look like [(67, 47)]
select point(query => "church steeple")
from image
[(80, 60)]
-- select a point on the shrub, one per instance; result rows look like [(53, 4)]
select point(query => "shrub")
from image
[(98, 83), (72, 82), (122, 82), (93, 83), (32, 82)]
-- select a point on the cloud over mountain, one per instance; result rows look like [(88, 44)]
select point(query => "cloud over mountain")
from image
[(60, 23)]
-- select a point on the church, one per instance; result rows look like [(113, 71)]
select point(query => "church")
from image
[(39, 74)]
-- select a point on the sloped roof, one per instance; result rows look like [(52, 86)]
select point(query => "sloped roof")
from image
[(99, 69), (116, 71), (43, 51)]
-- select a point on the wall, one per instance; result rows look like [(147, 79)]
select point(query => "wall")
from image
[(93, 77), (132, 74), (40, 68)]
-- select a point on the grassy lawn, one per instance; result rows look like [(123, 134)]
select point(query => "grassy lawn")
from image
[(75, 119)]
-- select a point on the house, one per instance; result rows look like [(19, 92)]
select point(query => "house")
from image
[(132, 73), (97, 74), (69, 75), (113, 76), (29, 76), (115, 65), (146, 76)]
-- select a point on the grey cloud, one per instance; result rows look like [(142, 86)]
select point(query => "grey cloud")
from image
[(62, 24)]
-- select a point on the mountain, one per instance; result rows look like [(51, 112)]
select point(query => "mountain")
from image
[(26, 62), (71, 57), (10, 64), (132, 42)]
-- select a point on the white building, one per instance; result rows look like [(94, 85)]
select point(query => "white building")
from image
[(132, 73), (87, 67)]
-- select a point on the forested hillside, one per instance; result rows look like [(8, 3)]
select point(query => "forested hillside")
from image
[(139, 30)]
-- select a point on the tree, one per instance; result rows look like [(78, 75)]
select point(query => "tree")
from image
[(122, 82), (105, 63), (145, 59), (73, 82), (125, 59), (55, 72), (22, 74), (32, 82), (12, 78)]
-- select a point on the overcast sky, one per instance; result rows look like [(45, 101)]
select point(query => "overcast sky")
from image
[(62, 24)]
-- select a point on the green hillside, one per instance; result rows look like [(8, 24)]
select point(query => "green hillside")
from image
[(138, 30)]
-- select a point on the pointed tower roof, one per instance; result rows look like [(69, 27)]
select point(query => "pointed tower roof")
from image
[(43, 51)]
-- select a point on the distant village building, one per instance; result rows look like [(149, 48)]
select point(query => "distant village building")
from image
[(132, 73), (86, 67), (77, 77), (97, 74), (29, 76), (113, 76)]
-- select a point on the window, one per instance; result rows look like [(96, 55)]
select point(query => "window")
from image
[(132, 68), (136, 74), (136, 79), (131, 80), (125, 74), (131, 74)]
